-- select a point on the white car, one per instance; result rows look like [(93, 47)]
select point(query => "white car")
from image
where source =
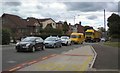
[(103, 39), (65, 40)]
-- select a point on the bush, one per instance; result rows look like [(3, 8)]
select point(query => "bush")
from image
[(5, 36), (117, 36)]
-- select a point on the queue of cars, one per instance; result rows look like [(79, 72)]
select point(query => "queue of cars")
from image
[(37, 43)]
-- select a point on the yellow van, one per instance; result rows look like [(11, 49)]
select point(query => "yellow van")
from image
[(77, 38)]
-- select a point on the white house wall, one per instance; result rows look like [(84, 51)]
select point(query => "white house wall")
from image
[(48, 22)]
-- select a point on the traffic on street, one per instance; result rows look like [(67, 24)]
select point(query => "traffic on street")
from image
[(75, 57), (58, 36)]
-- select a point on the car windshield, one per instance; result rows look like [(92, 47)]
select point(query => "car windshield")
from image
[(73, 36), (88, 33), (28, 39), (50, 39), (64, 37)]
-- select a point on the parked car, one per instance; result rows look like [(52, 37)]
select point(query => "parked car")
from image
[(53, 42), (30, 44), (102, 39), (65, 40)]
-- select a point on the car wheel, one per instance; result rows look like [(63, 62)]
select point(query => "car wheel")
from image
[(60, 45), (43, 48), (66, 44), (54, 46), (33, 49), (18, 50)]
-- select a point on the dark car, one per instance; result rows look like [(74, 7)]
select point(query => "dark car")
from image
[(53, 42), (30, 44)]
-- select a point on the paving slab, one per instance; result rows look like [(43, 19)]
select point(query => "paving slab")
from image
[(78, 59)]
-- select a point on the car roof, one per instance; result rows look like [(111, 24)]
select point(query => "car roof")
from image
[(32, 37)]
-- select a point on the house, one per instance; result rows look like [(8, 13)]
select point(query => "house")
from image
[(47, 21), (33, 25), (23, 27), (59, 25), (80, 28), (76, 28), (15, 24)]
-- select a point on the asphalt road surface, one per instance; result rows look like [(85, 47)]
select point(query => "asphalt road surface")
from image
[(107, 57), (10, 57)]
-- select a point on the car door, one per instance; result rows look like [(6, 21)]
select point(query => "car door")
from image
[(39, 43), (59, 41)]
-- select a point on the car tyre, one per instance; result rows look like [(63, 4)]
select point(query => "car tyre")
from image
[(60, 45), (54, 46), (33, 49), (67, 44), (43, 48), (18, 50)]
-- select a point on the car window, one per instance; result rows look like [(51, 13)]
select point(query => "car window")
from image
[(79, 36), (64, 37), (50, 39), (39, 39), (28, 39)]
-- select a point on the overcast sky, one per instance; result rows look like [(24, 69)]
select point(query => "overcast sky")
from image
[(89, 13)]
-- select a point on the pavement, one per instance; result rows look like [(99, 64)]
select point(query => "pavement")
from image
[(78, 59)]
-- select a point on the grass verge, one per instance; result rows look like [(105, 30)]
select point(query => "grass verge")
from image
[(113, 44)]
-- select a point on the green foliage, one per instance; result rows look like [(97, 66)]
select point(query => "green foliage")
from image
[(115, 36), (5, 36), (65, 27), (101, 29), (114, 25)]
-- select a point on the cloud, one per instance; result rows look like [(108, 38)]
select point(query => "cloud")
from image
[(92, 17), (12, 3), (91, 6), (91, 13)]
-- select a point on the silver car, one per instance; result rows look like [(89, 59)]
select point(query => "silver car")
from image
[(52, 42)]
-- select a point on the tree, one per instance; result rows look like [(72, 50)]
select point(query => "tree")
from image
[(65, 27), (87, 27), (101, 29), (5, 36), (114, 25)]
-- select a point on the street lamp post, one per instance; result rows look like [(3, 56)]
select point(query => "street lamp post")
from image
[(75, 18)]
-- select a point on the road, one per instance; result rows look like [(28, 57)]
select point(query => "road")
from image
[(11, 58), (107, 57)]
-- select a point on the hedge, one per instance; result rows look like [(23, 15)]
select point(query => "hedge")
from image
[(5, 36)]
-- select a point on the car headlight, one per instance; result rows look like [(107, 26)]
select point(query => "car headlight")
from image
[(17, 43), (27, 45)]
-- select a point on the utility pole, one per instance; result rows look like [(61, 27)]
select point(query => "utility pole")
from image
[(74, 20), (104, 21)]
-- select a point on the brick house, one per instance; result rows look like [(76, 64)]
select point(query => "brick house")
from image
[(24, 27), (15, 24), (59, 25), (76, 28)]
